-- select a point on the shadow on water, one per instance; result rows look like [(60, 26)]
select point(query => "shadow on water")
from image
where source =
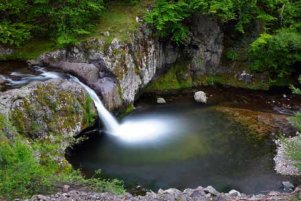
[(198, 146)]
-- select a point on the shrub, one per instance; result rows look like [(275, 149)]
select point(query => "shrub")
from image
[(276, 53)]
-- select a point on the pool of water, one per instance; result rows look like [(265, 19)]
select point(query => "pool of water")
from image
[(182, 145)]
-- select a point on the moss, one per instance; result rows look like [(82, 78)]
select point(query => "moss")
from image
[(89, 113), (175, 78), (229, 80), (51, 110), (129, 108), (261, 123)]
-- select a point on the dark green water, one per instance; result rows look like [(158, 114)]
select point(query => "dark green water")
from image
[(190, 145)]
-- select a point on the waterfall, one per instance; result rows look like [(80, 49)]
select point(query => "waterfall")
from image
[(17, 79), (110, 123)]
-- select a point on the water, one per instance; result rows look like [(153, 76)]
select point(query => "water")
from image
[(178, 145), (110, 123), (182, 145), (17, 79)]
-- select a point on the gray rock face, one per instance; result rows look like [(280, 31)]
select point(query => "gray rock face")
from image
[(124, 68), (42, 109), (206, 45), (200, 97)]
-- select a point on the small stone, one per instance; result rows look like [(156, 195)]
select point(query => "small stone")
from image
[(211, 190), (284, 96), (287, 186), (106, 33), (41, 197), (200, 97), (66, 188), (161, 100), (234, 193)]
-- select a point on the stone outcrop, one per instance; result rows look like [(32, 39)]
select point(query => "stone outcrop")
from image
[(206, 45), (116, 70), (41, 109)]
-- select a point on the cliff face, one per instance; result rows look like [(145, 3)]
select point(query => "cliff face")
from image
[(116, 70)]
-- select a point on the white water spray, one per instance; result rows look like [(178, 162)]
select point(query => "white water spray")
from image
[(109, 121), (138, 131)]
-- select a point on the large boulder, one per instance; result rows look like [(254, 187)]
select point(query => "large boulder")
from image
[(41, 109)]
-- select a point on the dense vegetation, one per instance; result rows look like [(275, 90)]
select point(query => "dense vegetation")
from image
[(275, 50), (60, 20)]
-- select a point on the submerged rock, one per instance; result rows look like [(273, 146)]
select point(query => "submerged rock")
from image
[(200, 97)]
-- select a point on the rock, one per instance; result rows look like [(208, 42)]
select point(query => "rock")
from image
[(5, 51), (287, 186), (66, 188), (109, 92), (245, 77), (205, 45), (211, 190), (234, 193), (200, 97), (283, 165), (53, 106), (284, 96), (106, 33), (161, 100), (132, 65), (41, 197), (84, 71)]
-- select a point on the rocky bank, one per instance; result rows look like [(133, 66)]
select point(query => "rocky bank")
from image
[(198, 194)]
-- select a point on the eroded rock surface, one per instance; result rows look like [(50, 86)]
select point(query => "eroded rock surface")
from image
[(41, 109)]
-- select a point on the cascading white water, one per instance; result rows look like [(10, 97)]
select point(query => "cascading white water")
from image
[(110, 123), (138, 131)]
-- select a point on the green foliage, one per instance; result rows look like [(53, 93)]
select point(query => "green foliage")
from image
[(232, 54), (14, 34), (20, 173), (168, 16), (276, 53), (62, 20), (33, 168)]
